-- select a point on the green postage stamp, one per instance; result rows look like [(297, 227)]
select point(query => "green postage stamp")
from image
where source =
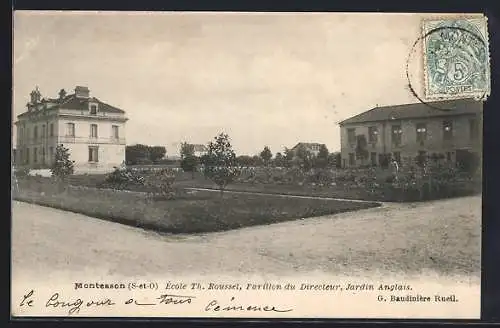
[(456, 58)]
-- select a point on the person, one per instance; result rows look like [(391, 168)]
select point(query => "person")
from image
[(395, 168)]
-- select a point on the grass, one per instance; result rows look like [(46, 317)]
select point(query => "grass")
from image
[(187, 180), (189, 213)]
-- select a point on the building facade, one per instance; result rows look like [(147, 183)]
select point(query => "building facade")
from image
[(311, 147), (200, 150), (447, 130), (93, 131)]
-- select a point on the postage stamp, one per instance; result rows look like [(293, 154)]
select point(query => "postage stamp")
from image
[(456, 58)]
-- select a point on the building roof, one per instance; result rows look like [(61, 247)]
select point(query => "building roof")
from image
[(417, 110), (73, 102), (307, 145), (199, 147)]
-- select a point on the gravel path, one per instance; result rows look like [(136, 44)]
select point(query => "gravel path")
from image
[(50, 240)]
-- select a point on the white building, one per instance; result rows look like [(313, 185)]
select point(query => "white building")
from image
[(93, 131), (200, 150)]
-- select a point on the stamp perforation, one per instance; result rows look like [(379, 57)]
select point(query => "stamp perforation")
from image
[(433, 24)]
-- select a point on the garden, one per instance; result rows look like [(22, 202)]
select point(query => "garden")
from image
[(182, 199), (159, 199), (175, 210)]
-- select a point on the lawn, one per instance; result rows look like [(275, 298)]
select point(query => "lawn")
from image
[(186, 213), (341, 190)]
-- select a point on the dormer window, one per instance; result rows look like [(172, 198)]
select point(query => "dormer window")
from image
[(93, 109)]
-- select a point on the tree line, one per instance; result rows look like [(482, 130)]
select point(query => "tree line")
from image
[(143, 154), (301, 157)]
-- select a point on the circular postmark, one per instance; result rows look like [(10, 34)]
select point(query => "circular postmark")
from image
[(456, 62)]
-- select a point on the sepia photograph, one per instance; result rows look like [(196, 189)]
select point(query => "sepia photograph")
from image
[(231, 164)]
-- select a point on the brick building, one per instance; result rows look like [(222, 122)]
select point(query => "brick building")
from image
[(447, 129)]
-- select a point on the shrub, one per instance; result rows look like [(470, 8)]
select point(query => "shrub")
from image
[(345, 177), (62, 166), (294, 175), (469, 163), (21, 172), (321, 176), (161, 184), (121, 178)]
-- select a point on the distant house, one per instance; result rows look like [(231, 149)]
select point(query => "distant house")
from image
[(199, 149), (311, 147), (447, 129)]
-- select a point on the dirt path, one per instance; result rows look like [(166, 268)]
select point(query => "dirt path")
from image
[(289, 196), (355, 243)]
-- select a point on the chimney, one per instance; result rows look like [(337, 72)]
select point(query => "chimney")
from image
[(35, 96), (82, 92)]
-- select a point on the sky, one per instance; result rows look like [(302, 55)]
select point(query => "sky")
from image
[(270, 79)]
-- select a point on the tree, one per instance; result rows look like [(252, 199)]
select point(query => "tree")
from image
[(361, 148), (221, 167), (266, 155), (62, 166), (279, 160), (321, 160), (289, 155), (305, 158), (245, 160), (257, 161), (204, 160), (335, 160), (136, 154), (156, 153), (189, 162)]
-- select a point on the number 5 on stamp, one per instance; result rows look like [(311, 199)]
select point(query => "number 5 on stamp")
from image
[(456, 58)]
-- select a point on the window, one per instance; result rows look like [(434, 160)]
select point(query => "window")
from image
[(421, 158), (35, 133), (351, 159), (351, 136), (27, 155), (372, 134), (51, 154), (448, 156), (421, 132), (93, 130), (43, 155), (93, 109), (51, 129), (447, 130), (396, 135), (115, 134), (473, 129), (93, 154), (35, 155), (373, 158), (43, 131), (70, 129)]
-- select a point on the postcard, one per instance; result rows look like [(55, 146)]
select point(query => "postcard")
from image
[(247, 165)]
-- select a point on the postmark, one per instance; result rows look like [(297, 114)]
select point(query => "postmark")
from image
[(456, 58)]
